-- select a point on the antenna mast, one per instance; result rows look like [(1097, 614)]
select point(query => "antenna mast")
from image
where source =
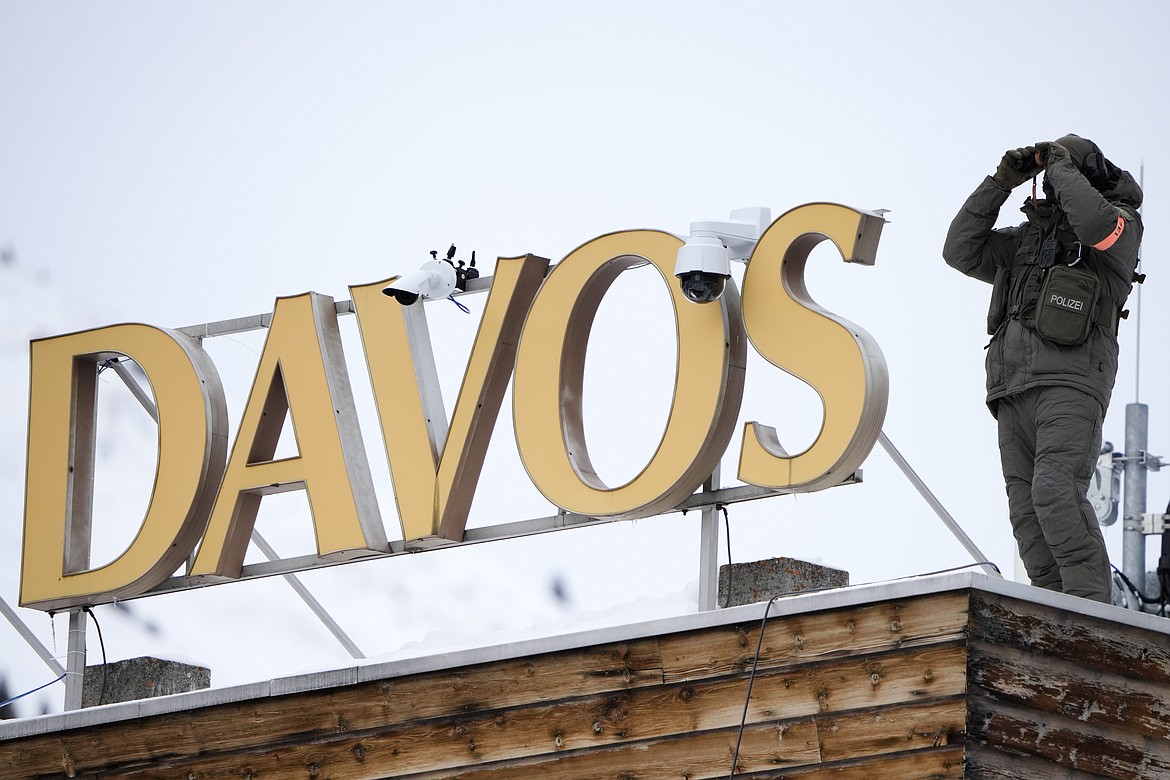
[(1137, 379)]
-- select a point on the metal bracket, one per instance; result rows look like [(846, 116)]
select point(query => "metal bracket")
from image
[(1153, 523), (1143, 459), (1151, 462)]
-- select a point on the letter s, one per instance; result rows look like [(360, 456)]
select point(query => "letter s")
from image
[(840, 360)]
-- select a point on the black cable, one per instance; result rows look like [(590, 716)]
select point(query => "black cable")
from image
[(1141, 596), (760, 641), (948, 571), (1164, 570), (751, 680), (1144, 599), (1164, 590), (102, 642)]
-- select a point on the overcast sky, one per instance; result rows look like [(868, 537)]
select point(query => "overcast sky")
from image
[(178, 163)]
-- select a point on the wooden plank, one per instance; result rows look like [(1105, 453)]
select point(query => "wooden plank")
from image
[(1069, 693), (1085, 748), (765, 747), (605, 721), (793, 638), (314, 715), (696, 756), (1088, 642), (893, 730), (943, 763), (986, 763), (699, 755)]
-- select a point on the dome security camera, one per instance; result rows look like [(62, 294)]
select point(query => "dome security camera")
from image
[(703, 267), (704, 261), (435, 279)]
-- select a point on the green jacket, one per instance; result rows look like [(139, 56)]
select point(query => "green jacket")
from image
[(1018, 357)]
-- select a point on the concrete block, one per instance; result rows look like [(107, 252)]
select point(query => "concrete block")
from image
[(748, 583), (140, 678)]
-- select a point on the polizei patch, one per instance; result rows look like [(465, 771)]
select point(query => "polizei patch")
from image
[(1068, 301), (1072, 304)]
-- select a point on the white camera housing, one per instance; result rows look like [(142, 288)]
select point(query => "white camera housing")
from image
[(435, 279), (703, 265)]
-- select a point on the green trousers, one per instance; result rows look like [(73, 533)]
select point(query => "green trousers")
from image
[(1049, 440)]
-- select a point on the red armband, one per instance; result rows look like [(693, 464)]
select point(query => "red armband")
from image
[(1111, 239)]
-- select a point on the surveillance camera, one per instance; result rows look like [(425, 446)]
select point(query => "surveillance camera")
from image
[(704, 261), (703, 267), (435, 279)]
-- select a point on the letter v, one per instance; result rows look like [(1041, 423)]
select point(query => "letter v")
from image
[(435, 470)]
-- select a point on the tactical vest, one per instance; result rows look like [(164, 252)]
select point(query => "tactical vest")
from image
[(1052, 287)]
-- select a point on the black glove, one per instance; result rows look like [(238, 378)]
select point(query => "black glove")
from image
[(1016, 167), (1053, 152), (1049, 152)]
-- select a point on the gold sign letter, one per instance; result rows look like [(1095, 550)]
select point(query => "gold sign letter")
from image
[(435, 470), (840, 360), (192, 444), (301, 374), (550, 368)]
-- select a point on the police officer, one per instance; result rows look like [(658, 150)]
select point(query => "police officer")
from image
[(1059, 281)]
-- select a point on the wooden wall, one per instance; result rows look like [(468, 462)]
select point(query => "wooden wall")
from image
[(955, 684), (1056, 693)]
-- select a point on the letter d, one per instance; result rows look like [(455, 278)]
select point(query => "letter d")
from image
[(192, 450)]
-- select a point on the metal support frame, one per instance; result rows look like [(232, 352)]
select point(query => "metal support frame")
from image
[(135, 389), (318, 610), (970, 546), (709, 549), (708, 499), (75, 661), (30, 638)]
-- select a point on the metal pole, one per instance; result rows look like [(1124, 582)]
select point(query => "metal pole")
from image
[(318, 610), (135, 388), (937, 506), (1137, 418), (709, 550), (30, 638), (1133, 550), (75, 662), (1137, 363)]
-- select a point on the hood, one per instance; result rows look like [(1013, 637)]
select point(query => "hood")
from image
[(1117, 185), (1085, 155), (1123, 188)]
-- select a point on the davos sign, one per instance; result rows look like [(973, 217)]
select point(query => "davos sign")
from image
[(534, 331)]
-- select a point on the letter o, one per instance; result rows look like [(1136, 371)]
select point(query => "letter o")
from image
[(550, 364)]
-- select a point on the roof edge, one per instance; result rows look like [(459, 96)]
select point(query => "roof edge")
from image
[(785, 605)]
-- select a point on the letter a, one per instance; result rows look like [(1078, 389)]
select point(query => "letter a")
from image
[(301, 373)]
